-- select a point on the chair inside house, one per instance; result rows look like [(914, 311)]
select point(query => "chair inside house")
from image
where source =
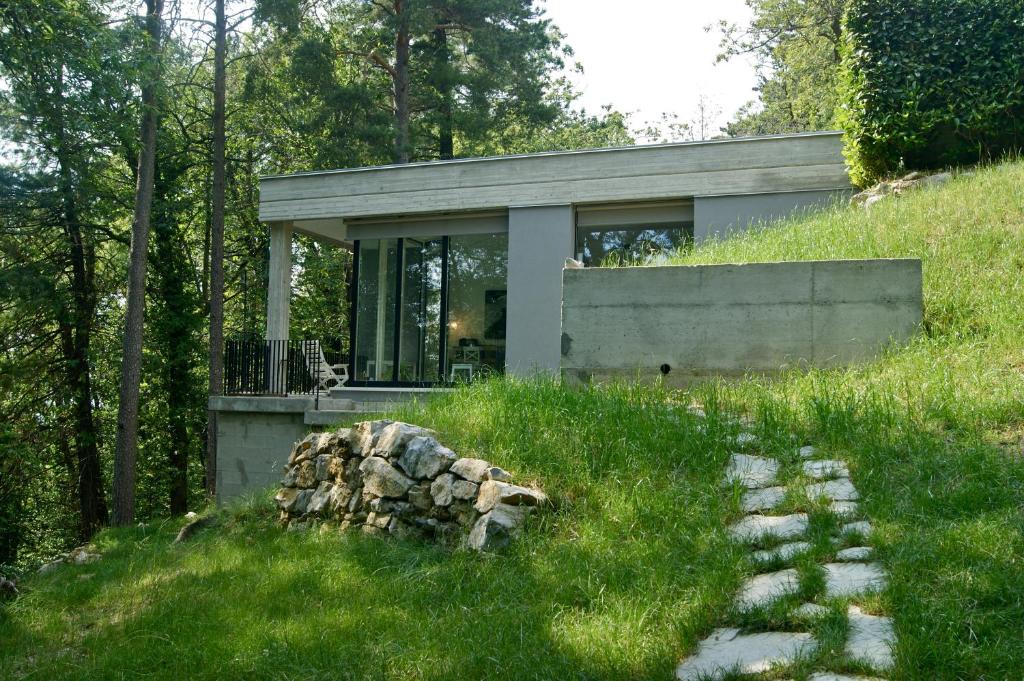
[(326, 375)]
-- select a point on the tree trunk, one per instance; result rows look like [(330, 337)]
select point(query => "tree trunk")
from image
[(126, 446), (446, 125), (401, 82), (217, 245), (92, 505)]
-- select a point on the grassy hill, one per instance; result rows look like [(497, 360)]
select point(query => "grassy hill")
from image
[(633, 566)]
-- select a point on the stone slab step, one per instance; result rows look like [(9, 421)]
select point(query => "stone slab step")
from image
[(754, 528), (870, 639), (726, 651)]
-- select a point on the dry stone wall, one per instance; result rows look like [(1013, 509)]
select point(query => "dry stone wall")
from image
[(389, 477)]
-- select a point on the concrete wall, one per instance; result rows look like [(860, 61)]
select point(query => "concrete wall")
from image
[(718, 216), (539, 240), (730, 320)]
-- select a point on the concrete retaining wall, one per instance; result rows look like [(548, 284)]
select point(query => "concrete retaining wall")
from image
[(730, 320)]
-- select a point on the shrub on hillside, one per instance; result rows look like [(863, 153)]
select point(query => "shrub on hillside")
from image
[(931, 83)]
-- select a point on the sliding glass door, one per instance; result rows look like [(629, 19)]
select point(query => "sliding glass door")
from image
[(428, 309)]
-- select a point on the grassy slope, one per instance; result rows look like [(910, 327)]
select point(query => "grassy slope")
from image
[(633, 567)]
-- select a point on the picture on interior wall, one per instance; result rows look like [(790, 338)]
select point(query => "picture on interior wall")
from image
[(495, 307)]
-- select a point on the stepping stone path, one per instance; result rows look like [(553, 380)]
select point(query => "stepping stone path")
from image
[(780, 538)]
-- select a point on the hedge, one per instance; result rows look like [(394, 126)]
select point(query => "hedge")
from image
[(931, 83)]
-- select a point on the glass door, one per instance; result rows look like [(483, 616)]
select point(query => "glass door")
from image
[(419, 353), (376, 292)]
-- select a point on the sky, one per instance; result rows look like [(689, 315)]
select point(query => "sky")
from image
[(653, 56)]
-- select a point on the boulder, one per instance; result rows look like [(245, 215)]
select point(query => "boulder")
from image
[(464, 489), (473, 470), (82, 556), (499, 474), (493, 492), (318, 502), (323, 467), (301, 502), (383, 480), (306, 476), (441, 489), (363, 438), (290, 477), (419, 496), (285, 498), (424, 457), (395, 436), (496, 528), (301, 451), (341, 494)]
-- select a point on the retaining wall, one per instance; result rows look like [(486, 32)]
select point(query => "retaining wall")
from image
[(699, 321)]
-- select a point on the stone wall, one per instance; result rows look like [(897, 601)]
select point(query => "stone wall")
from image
[(388, 477), (685, 323)]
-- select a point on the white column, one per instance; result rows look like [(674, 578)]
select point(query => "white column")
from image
[(540, 238), (279, 283)]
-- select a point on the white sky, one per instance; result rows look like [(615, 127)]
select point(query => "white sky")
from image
[(653, 56)]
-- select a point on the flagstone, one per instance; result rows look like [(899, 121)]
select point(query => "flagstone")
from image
[(826, 468), (870, 639), (781, 552), (763, 499), (754, 528), (751, 471), (726, 651), (840, 489), (855, 553), (760, 590), (848, 579)]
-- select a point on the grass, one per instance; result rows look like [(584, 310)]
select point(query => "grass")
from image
[(632, 566)]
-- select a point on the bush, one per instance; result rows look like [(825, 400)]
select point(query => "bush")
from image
[(931, 83)]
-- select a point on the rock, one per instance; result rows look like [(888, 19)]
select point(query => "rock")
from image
[(381, 520), (353, 476), (854, 553), (473, 470), (745, 439), (285, 498), (495, 529), (870, 639), (336, 469), (752, 472), (301, 502), (836, 490), (81, 556), (463, 512), (873, 199), (828, 676), (290, 478), (424, 457), (318, 502), (937, 180), (762, 499), (191, 515), (383, 480), (844, 509), (761, 590), (419, 496), (301, 451), (395, 436), (726, 651), (306, 476), (829, 468), (781, 552), (363, 436), (810, 610), (340, 496), (498, 474), (323, 467), (850, 579), (493, 492), (441, 489), (755, 528), (807, 452), (47, 568), (464, 489), (861, 527), (355, 500)]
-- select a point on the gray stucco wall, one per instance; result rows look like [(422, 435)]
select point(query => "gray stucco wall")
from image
[(540, 238), (252, 446), (730, 320), (717, 216)]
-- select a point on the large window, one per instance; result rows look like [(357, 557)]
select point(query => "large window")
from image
[(632, 234), (429, 309)]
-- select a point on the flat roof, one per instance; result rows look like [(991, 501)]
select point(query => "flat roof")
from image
[(570, 152)]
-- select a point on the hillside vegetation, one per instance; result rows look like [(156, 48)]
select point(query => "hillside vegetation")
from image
[(632, 567)]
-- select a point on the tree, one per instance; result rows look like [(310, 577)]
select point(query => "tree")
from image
[(218, 197), (125, 452), (798, 45)]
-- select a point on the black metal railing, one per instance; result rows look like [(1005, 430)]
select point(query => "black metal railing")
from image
[(260, 367)]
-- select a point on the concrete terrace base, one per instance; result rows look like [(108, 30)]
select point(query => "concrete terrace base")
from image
[(256, 433), (687, 323)]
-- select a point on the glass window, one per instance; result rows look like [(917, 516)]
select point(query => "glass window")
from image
[(477, 293), (630, 244), (375, 310), (420, 343)]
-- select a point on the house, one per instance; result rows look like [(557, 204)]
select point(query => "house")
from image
[(458, 264)]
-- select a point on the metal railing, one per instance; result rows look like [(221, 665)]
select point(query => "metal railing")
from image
[(258, 367)]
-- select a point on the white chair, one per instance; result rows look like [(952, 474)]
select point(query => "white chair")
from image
[(328, 374), (466, 369)]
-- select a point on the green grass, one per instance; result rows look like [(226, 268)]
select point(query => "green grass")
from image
[(632, 566)]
